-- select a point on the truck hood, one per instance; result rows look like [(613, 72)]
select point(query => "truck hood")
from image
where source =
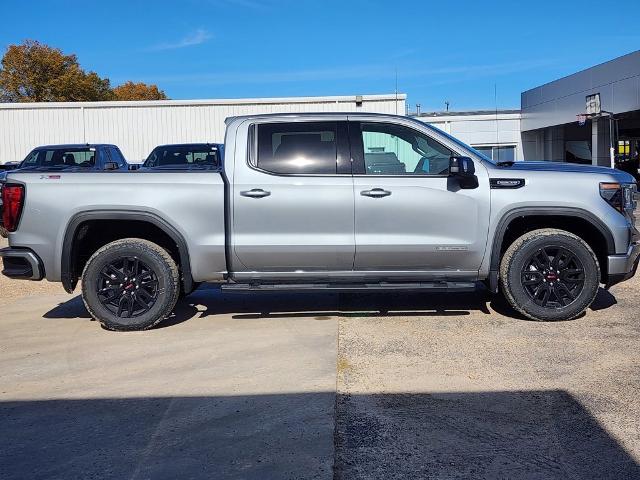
[(621, 176)]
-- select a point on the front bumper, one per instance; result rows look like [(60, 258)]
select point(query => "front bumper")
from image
[(21, 264), (623, 267)]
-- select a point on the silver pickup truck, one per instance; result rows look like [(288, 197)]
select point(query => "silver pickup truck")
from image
[(325, 202)]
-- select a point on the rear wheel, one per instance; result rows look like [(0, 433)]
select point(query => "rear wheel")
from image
[(130, 284), (549, 275)]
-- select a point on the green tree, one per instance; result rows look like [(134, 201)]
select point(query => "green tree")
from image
[(138, 91), (33, 72)]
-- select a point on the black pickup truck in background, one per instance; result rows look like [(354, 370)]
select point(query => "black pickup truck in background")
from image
[(68, 158)]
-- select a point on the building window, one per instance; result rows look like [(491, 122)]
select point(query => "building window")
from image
[(498, 153)]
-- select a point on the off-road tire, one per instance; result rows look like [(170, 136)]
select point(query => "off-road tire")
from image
[(157, 259), (521, 251)]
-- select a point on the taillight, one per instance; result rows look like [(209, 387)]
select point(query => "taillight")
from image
[(12, 200)]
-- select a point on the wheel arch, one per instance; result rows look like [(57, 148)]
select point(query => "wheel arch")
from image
[(575, 220), (69, 273)]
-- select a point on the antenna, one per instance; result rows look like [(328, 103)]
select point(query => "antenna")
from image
[(495, 100), (446, 104), (396, 90)]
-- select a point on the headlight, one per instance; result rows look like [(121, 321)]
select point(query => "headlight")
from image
[(621, 196)]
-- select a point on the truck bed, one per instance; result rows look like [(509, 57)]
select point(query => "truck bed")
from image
[(192, 202)]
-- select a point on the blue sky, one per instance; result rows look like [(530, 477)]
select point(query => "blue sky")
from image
[(446, 50)]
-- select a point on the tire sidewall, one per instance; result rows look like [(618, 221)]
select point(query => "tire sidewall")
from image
[(146, 255), (524, 301)]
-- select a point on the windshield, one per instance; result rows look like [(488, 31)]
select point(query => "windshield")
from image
[(463, 145), (184, 156), (60, 157)]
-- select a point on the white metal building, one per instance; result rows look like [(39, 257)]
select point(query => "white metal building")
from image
[(137, 127), (496, 134)]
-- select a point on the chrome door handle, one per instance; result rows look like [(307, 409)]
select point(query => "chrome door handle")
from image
[(375, 193), (255, 193)]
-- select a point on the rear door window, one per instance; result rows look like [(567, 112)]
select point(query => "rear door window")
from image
[(298, 148), (62, 157)]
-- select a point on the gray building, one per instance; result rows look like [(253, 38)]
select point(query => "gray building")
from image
[(608, 95)]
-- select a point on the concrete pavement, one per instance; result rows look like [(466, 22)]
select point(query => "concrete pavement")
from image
[(222, 395)]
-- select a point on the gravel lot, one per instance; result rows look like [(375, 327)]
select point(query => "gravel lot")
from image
[(458, 388), (376, 386)]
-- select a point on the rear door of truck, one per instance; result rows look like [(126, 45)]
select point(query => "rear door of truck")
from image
[(293, 199)]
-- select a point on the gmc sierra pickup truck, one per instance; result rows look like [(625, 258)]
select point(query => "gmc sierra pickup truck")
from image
[(321, 202)]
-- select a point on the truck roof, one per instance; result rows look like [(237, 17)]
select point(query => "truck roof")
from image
[(316, 114), (75, 145), (190, 144)]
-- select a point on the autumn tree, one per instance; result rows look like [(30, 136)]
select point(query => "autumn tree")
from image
[(33, 72), (138, 91)]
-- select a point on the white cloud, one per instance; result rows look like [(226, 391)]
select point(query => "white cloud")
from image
[(197, 37)]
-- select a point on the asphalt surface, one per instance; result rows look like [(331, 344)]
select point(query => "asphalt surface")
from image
[(320, 386)]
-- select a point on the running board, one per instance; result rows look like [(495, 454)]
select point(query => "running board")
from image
[(347, 287)]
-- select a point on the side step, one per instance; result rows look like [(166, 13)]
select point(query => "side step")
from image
[(347, 287)]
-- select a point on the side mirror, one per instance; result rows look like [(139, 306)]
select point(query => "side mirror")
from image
[(463, 169), (111, 166)]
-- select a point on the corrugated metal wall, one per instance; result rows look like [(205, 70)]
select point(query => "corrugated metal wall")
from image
[(136, 127)]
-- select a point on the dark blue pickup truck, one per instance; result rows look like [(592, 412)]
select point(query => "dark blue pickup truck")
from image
[(74, 157)]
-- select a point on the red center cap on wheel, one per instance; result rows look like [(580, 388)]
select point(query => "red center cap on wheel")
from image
[(551, 276), (128, 286)]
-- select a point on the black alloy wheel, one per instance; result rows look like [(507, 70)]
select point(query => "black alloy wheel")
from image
[(130, 284), (553, 277), (127, 287), (549, 275)]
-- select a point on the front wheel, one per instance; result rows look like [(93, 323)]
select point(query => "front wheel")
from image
[(549, 275), (130, 284)]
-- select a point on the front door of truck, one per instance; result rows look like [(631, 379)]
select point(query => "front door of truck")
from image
[(410, 216), (293, 200)]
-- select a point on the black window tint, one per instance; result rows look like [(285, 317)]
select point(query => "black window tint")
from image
[(33, 158), (116, 156), (59, 157), (105, 157), (184, 156), (391, 149), (303, 148)]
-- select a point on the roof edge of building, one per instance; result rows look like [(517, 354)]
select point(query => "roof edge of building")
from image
[(198, 102), (466, 113)]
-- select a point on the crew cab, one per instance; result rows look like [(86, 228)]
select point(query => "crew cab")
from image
[(89, 157), (309, 202), (76, 157)]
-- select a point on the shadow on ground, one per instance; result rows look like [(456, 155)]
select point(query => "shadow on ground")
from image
[(533, 435), (210, 300), (488, 435)]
